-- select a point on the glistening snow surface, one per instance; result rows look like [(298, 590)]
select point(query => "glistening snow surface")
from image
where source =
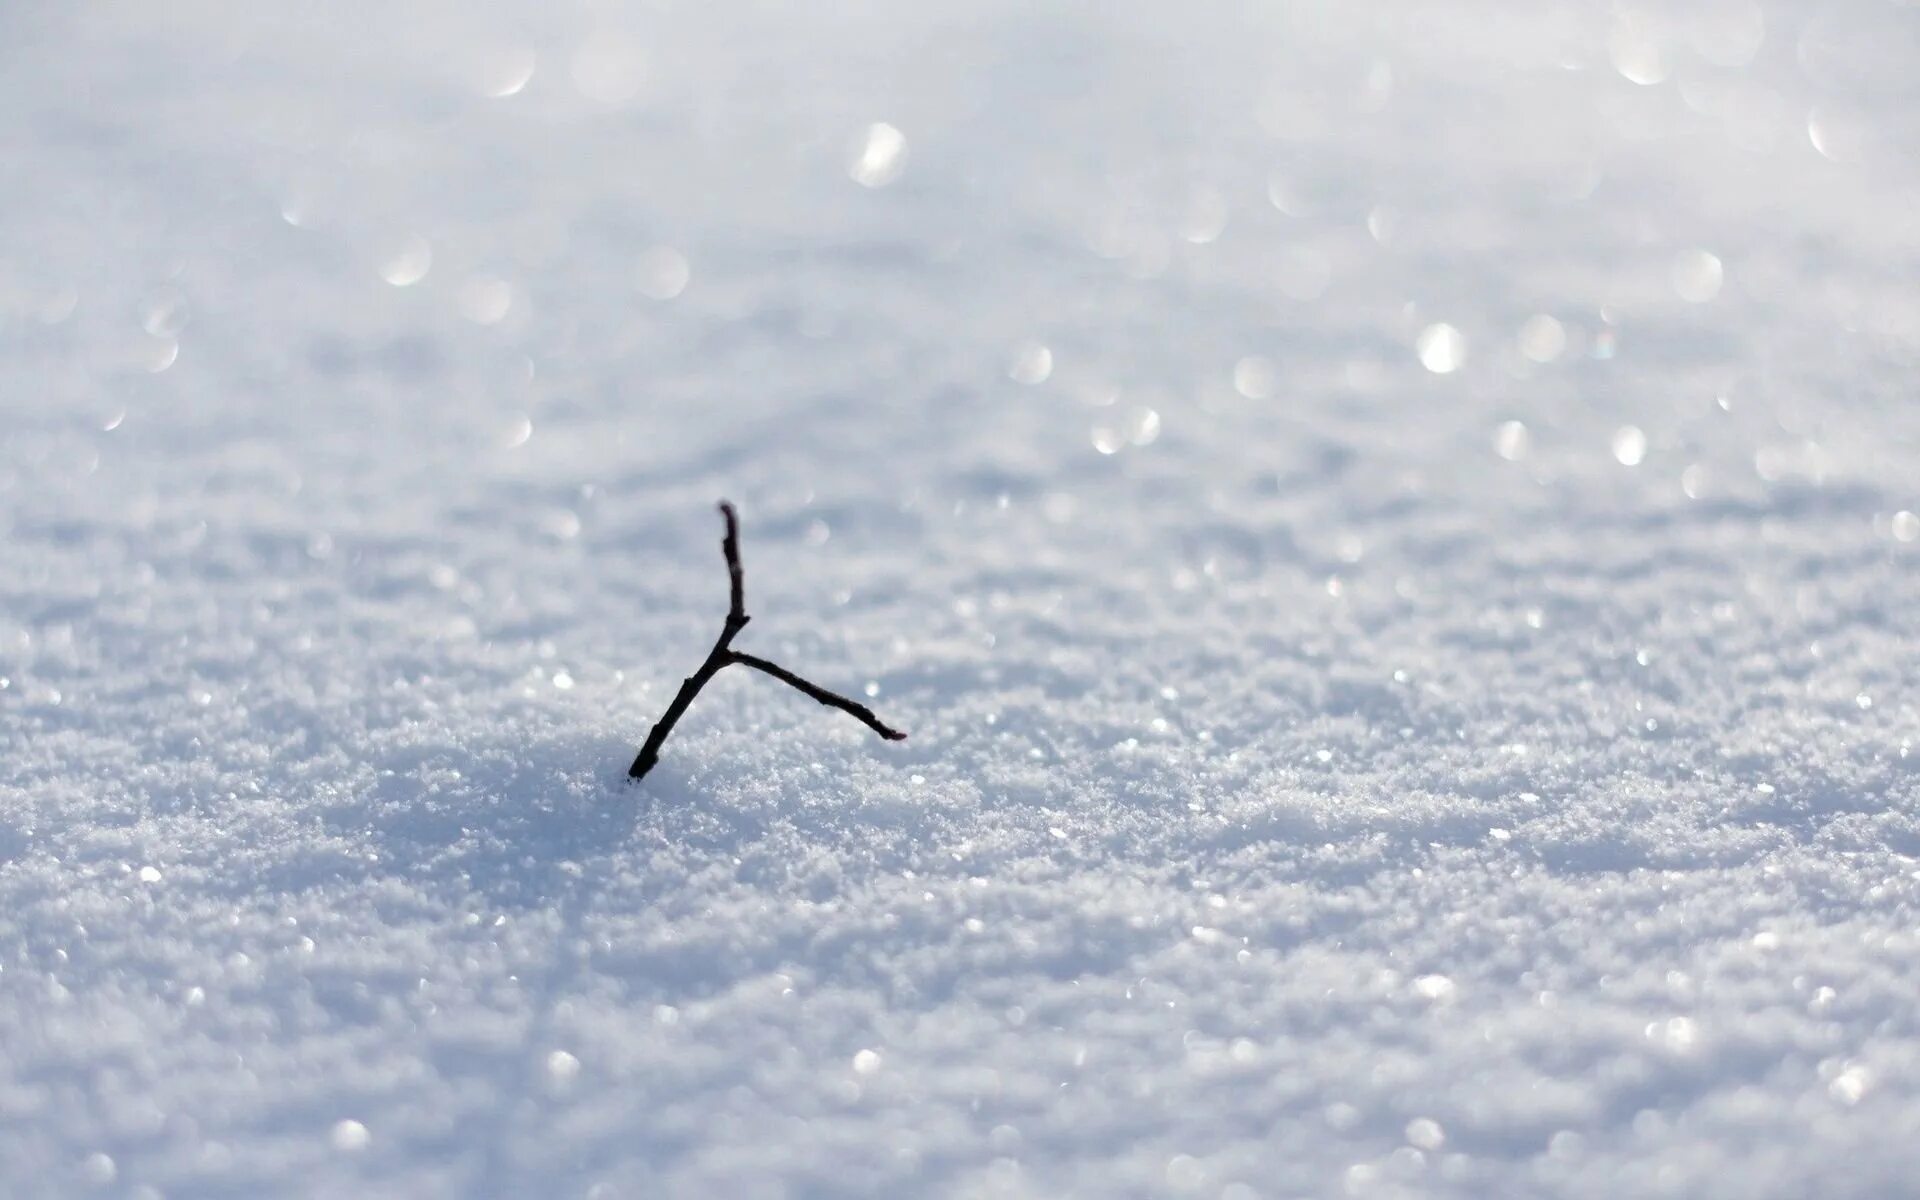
[(1391, 526)]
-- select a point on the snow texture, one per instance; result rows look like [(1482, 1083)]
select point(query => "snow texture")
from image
[(1392, 527)]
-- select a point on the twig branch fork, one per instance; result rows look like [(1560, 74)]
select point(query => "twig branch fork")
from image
[(724, 655)]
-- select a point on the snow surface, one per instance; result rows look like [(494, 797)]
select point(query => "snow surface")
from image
[(1392, 528)]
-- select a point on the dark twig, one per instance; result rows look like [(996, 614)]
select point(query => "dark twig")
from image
[(723, 655), (819, 693)]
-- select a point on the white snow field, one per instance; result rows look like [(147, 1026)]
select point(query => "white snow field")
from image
[(1392, 526)]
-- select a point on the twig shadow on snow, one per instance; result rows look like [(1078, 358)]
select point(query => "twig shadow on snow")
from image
[(516, 827)]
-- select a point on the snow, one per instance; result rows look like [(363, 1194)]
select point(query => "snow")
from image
[(1391, 527)]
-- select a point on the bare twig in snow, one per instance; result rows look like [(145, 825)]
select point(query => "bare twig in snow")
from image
[(724, 655)]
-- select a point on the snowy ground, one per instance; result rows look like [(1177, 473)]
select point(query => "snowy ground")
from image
[(1392, 527)]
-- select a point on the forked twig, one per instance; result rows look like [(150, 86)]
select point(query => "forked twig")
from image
[(724, 655)]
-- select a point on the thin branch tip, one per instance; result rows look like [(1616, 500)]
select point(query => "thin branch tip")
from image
[(723, 655), (736, 575)]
